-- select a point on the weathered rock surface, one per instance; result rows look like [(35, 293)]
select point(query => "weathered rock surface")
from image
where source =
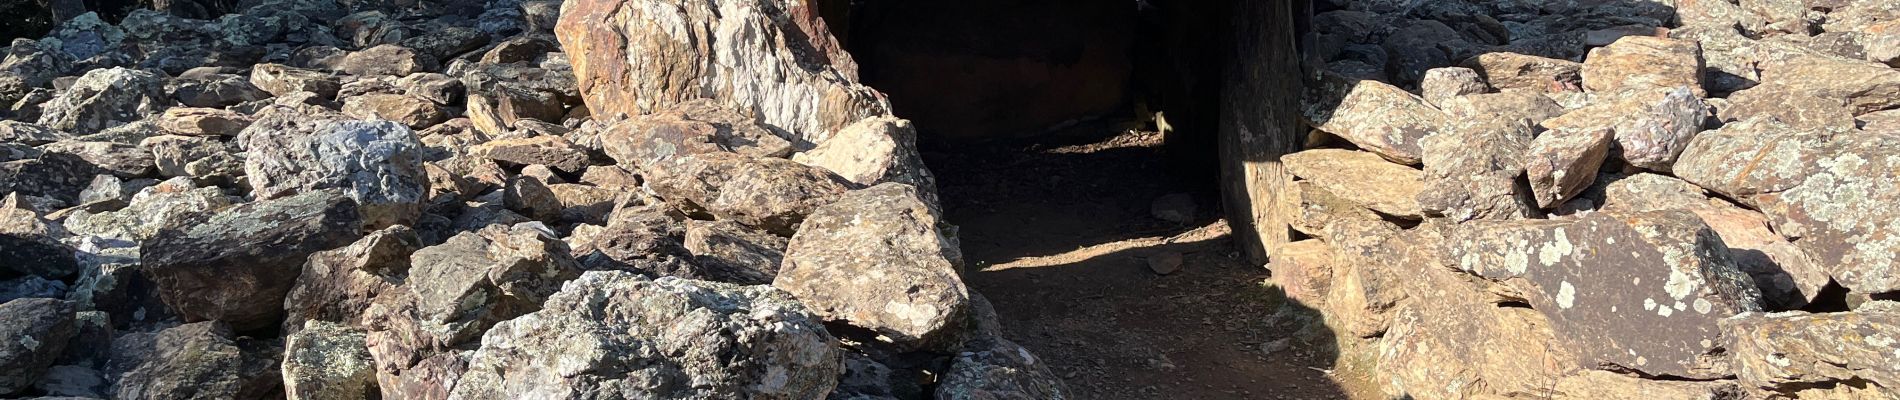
[(1863, 87), (376, 163), (411, 111), (236, 265), (327, 361), (615, 334), (1377, 117), (551, 151), (190, 361), (1362, 178), (744, 54), (35, 333), (873, 151), (999, 369), (1786, 352), (104, 98), (876, 258), (338, 285), (281, 80), (1562, 163), (770, 193), (1513, 72), (32, 246), (753, 257), (1637, 291), (1644, 62)]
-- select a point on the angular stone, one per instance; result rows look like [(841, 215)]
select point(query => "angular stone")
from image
[(327, 361), (614, 334), (769, 193), (653, 142), (1800, 110), (386, 60), (495, 111), (124, 160), (997, 368), (739, 52), (439, 88), (1448, 82), (752, 255), (378, 163), (1471, 169), (1320, 207), (35, 333), (1629, 291), (1644, 62), (1611, 385), (29, 134), (460, 288), (171, 153), (446, 42), (1786, 352), (874, 151), (1654, 138), (104, 98), (551, 151), (877, 259), (236, 265), (411, 111), (1514, 72), (337, 285), (31, 245), (1362, 178), (281, 80), (202, 121), (1562, 163), (1863, 86), (214, 91), (150, 210), (1832, 195), (1304, 270), (1787, 277), (1377, 117), (190, 361)]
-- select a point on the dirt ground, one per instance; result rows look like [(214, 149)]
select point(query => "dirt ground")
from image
[(1058, 237)]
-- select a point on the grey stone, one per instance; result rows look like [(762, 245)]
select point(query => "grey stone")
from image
[(191, 361), (770, 193), (1562, 163), (999, 369), (878, 259), (104, 98), (236, 265), (327, 361), (377, 163), (35, 334)]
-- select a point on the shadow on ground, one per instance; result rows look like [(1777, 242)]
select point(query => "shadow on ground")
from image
[(1058, 236)]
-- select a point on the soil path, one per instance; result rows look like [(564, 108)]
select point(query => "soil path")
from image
[(1058, 238)]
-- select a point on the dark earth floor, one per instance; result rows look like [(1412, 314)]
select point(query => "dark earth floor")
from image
[(1057, 237)]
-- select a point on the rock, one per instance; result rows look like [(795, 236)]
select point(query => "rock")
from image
[(1512, 72), (753, 255), (876, 258), (370, 28), (1303, 270), (411, 111), (551, 151), (1863, 87), (31, 246), (202, 121), (149, 211), (1787, 352), (1366, 287), (1445, 83), (190, 361), (1653, 139), (520, 49), (236, 265), (999, 369), (1178, 208), (386, 60), (873, 151), (104, 98), (1787, 277), (336, 286), (654, 142), (1829, 193), (495, 111), (1644, 62), (377, 163), (214, 91), (1637, 291), (173, 153), (1375, 116), (1562, 163), (35, 334), (1320, 207), (31, 287), (458, 289), (29, 134), (441, 44), (730, 51), (438, 88), (1420, 45), (769, 193), (1611, 385), (1164, 263), (1471, 169), (123, 160), (281, 80), (532, 197), (327, 361), (1799, 110), (1362, 178), (611, 329)]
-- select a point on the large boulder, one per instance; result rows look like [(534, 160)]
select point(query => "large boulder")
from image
[(634, 57), (1833, 193), (105, 98), (651, 142), (878, 259), (377, 163), (1787, 352), (35, 334), (1375, 116), (235, 264), (619, 335), (1631, 291)]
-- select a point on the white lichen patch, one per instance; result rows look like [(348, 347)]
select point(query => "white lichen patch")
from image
[(1680, 284), (1566, 294), (1555, 250)]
